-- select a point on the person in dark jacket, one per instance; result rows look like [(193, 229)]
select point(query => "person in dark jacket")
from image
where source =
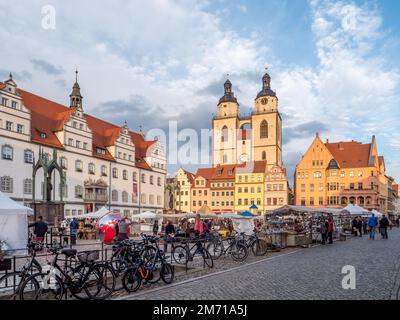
[(359, 226), (354, 225), (169, 233), (155, 227), (39, 229), (365, 226), (383, 225), (330, 230), (74, 226), (323, 230)]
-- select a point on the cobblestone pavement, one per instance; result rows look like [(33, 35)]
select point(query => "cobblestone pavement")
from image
[(313, 273)]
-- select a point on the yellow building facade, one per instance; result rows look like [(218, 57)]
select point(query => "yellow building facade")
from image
[(250, 186), (336, 174), (184, 180)]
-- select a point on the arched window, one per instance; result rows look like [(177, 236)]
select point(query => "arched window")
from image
[(104, 171), (264, 155), (78, 191), (114, 195), (78, 165), (63, 162), (224, 136), (115, 172), (151, 180), (124, 196), (28, 156), (7, 152), (264, 129), (91, 168)]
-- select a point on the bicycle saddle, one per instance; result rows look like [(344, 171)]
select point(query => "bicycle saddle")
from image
[(69, 252)]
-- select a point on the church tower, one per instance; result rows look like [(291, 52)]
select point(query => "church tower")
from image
[(224, 128), (266, 123), (75, 96)]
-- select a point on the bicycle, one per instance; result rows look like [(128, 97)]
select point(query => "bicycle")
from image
[(182, 254), (88, 278), (15, 279), (259, 247), (237, 250), (149, 270)]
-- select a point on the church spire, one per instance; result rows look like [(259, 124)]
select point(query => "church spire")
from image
[(228, 93), (266, 86), (75, 96)]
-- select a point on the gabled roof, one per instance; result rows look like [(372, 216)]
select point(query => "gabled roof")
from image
[(49, 117), (205, 173), (351, 154), (222, 172)]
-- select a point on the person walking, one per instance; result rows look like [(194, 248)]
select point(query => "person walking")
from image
[(39, 229), (122, 229), (330, 230), (323, 230), (199, 226), (169, 233), (365, 226), (155, 227), (359, 226), (383, 224), (354, 225), (398, 222), (73, 227), (372, 223)]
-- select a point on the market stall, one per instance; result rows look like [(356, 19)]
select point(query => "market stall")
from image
[(13, 225)]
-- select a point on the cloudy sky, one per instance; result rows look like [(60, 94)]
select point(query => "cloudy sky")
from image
[(334, 64)]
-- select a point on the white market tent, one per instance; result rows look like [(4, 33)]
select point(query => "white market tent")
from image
[(13, 223), (355, 209), (376, 213), (145, 215), (96, 215), (288, 208)]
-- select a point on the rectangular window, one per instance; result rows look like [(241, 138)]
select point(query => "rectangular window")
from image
[(246, 202), (311, 201), (303, 188), (303, 201), (78, 144), (320, 201), (85, 145), (20, 128), (360, 186), (312, 187), (268, 201), (9, 125)]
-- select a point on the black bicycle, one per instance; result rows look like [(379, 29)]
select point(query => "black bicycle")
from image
[(148, 269), (184, 253), (88, 279), (13, 280), (258, 247), (235, 248)]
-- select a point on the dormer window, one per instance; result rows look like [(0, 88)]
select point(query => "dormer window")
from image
[(43, 135), (100, 151)]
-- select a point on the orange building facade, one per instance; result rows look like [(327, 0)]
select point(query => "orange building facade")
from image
[(336, 174)]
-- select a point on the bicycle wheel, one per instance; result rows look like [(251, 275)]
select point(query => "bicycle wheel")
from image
[(41, 286), (259, 247), (180, 254), (215, 249), (239, 252), (167, 273), (208, 260), (131, 280), (148, 254), (100, 283), (76, 287), (10, 284)]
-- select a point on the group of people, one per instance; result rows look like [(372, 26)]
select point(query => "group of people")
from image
[(382, 226), (326, 229)]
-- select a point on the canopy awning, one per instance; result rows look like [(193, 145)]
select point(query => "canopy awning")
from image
[(355, 209), (303, 209), (9, 206), (94, 215)]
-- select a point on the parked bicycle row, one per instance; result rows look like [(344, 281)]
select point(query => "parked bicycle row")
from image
[(133, 263)]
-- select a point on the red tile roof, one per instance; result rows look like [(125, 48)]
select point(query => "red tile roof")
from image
[(222, 172), (48, 117), (251, 167), (189, 175), (206, 173), (350, 154)]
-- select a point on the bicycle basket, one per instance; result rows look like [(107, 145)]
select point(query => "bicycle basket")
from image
[(88, 256)]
